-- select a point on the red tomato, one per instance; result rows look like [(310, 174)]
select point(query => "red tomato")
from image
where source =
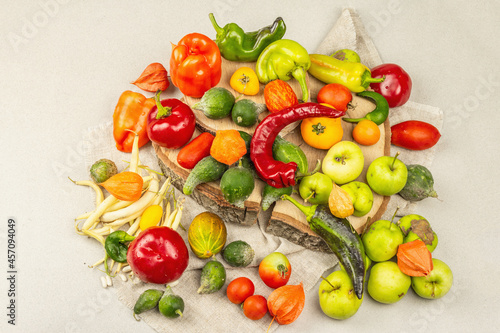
[(414, 135), (396, 88), (275, 270), (240, 289), (255, 307), (336, 95), (158, 255)]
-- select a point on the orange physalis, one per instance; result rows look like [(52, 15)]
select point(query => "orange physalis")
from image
[(228, 146), (125, 186), (414, 259), (154, 78), (285, 304)]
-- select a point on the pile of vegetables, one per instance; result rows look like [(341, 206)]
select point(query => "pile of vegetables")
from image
[(136, 222)]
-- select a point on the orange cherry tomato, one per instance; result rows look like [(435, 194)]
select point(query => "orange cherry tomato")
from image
[(366, 133), (321, 132)]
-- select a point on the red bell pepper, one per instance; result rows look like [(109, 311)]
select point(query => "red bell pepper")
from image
[(195, 151), (171, 123), (396, 88), (195, 65)]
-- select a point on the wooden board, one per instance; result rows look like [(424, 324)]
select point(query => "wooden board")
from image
[(285, 219)]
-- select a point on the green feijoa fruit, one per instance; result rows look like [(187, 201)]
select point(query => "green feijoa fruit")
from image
[(147, 301), (171, 305), (102, 170), (236, 185), (213, 277), (238, 254), (216, 103)]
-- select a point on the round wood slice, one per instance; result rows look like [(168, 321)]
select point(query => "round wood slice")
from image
[(285, 220)]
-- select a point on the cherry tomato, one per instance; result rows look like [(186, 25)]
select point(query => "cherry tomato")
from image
[(366, 133), (158, 255), (396, 88), (414, 135), (255, 307), (321, 132), (336, 95), (240, 289), (275, 270)]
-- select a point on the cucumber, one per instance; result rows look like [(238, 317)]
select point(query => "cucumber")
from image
[(171, 305), (419, 184), (213, 277), (247, 163), (245, 112), (238, 254), (248, 139), (216, 103), (286, 151), (147, 301), (272, 194), (236, 185), (206, 170)]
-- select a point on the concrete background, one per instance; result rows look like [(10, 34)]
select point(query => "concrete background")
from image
[(63, 65)]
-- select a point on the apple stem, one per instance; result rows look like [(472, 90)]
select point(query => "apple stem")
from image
[(324, 279), (394, 215), (394, 161), (310, 196)]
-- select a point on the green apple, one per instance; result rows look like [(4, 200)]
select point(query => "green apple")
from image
[(343, 162), (316, 188), (381, 240), (361, 196), (337, 298), (436, 284), (387, 284), (387, 175), (417, 227)]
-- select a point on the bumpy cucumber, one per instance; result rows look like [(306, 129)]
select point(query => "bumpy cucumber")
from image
[(213, 277), (245, 112), (171, 305), (216, 103), (286, 151), (238, 254), (206, 170), (236, 185), (272, 194), (147, 301), (419, 184)]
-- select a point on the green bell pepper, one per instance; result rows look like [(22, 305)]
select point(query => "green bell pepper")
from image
[(355, 76), (236, 45), (284, 59)]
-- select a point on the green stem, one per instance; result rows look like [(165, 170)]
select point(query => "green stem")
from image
[(299, 74), (217, 28), (163, 112), (308, 211), (394, 161)]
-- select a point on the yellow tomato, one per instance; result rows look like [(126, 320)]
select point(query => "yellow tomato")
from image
[(321, 132), (245, 81), (366, 132), (151, 217)]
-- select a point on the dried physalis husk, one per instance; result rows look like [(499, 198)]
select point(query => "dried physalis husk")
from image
[(340, 202), (154, 78)]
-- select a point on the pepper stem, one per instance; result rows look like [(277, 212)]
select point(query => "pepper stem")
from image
[(307, 210), (217, 28), (299, 74), (163, 112)]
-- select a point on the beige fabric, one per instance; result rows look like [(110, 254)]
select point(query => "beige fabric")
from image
[(214, 313)]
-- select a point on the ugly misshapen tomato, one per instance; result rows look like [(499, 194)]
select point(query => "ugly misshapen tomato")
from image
[(336, 95), (158, 255), (240, 289), (255, 307), (414, 135), (275, 270), (396, 88)]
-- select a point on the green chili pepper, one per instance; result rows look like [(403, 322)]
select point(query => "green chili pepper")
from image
[(379, 114), (355, 76), (236, 45), (115, 245), (284, 59)]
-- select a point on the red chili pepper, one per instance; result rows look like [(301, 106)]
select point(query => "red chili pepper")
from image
[(276, 173), (414, 135), (195, 151), (171, 123)]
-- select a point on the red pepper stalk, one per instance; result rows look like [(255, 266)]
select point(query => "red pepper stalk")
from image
[(276, 173)]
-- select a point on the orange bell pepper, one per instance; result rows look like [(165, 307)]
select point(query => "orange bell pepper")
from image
[(131, 114), (195, 65)]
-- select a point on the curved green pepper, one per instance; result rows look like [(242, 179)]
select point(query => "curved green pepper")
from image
[(355, 76), (236, 45), (379, 114), (115, 245), (284, 59)]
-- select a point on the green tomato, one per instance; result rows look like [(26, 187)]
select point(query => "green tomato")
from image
[(316, 188), (337, 298), (361, 195), (381, 240), (387, 284)]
